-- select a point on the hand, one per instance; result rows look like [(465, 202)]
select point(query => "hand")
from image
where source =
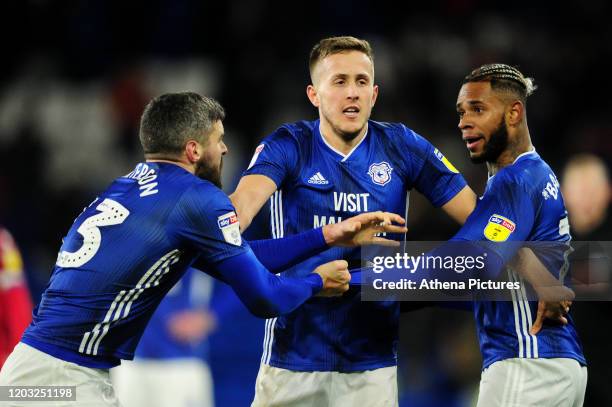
[(336, 278), (362, 229), (555, 311), (191, 326)]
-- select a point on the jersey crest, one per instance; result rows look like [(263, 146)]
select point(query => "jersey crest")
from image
[(380, 173)]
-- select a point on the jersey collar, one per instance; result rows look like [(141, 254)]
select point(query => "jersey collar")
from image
[(341, 156), (525, 154), (529, 153)]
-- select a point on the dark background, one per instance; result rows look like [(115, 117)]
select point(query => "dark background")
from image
[(75, 76)]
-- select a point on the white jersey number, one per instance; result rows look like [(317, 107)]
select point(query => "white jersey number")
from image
[(112, 213)]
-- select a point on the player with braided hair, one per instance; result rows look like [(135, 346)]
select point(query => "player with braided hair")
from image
[(521, 202)]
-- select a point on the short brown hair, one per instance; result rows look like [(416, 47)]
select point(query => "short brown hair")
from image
[(336, 45), (170, 120)]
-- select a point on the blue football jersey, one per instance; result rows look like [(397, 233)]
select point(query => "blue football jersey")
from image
[(318, 185), (521, 203), (123, 253), (191, 293)]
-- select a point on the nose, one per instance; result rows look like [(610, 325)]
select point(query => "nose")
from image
[(463, 123), (352, 92), (224, 149)]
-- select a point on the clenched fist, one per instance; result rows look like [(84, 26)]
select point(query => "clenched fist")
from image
[(336, 278)]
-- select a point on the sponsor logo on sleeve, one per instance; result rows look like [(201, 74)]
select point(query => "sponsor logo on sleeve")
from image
[(258, 150), (499, 228), (230, 227), (445, 161)]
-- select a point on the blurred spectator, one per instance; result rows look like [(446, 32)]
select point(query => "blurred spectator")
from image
[(170, 367), (15, 302), (586, 189), (587, 192)]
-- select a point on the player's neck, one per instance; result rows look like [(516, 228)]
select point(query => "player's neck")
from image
[(521, 145), (339, 143), (183, 165)]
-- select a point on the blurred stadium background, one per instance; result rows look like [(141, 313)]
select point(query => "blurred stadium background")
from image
[(75, 76)]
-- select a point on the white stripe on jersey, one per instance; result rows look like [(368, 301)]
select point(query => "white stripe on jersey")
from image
[(277, 226), (534, 338), (517, 328), (92, 339), (528, 344)]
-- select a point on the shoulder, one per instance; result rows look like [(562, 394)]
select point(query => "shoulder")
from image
[(204, 196), (289, 133), (530, 174), (399, 134)]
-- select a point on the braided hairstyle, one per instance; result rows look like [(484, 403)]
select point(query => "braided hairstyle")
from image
[(504, 78)]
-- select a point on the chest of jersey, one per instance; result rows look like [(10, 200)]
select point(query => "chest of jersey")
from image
[(327, 190)]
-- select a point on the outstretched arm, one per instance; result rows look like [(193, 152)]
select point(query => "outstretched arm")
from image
[(268, 295), (279, 254)]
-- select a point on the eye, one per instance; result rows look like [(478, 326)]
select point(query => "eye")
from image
[(339, 82), (460, 114), (363, 82)]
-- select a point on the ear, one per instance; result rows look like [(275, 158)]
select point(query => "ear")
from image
[(311, 92), (374, 95), (193, 151), (516, 113)]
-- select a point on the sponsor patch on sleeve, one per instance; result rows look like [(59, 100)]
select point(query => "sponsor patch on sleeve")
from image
[(258, 150), (499, 228), (445, 161), (230, 227)]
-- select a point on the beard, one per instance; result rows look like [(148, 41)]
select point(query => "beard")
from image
[(497, 144), (204, 170)]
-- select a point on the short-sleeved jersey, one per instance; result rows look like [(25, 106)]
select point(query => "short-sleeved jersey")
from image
[(522, 203), (318, 185), (122, 255)]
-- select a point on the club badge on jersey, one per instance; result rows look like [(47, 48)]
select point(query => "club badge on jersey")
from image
[(380, 173), (499, 228), (230, 227)]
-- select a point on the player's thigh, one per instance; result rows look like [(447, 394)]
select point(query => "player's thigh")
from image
[(282, 387), (165, 382), (530, 382), (372, 388), (130, 382), (183, 383), (27, 366), (581, 385)]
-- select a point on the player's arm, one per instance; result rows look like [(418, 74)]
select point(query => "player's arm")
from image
[(268, 295), (273, 162), (279, 254), (250, 195), (204, 221), (503, 218), (438, 179), (461, 205)]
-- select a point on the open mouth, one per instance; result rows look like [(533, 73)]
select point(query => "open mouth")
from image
[(473, 141), (351, 111)]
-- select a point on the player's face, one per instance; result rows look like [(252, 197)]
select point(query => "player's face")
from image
[(482, 121), (344, 92), (209, 165)]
